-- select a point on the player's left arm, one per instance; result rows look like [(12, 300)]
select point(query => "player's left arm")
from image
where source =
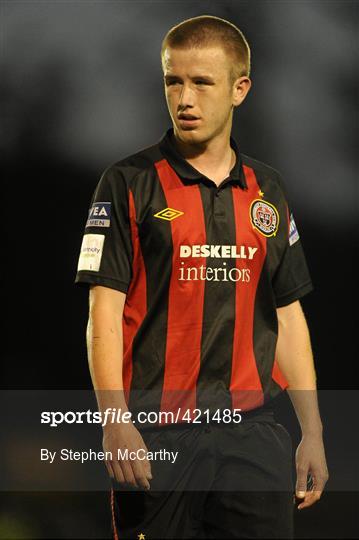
[(295, 359)]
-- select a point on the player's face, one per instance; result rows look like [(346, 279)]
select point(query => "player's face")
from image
[(199, 94)]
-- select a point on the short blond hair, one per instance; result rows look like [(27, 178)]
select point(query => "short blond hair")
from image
[(207, 31)]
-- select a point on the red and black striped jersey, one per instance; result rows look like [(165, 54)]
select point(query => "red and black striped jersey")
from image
[(204, 268)]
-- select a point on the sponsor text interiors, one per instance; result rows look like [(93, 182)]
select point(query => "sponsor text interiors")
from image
[(194, 273)]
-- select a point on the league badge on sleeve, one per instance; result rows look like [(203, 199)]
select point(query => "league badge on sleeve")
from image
[(91, 252), (264, 217), (99, 215), (293, 231)]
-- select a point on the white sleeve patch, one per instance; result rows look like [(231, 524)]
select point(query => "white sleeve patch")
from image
[(293, 231), (91, 252)]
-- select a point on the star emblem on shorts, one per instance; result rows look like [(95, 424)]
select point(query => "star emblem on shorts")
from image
[(260, 193), (141, 536)]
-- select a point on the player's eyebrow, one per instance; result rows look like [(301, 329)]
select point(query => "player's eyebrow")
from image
[(170, 77), (206, 78)]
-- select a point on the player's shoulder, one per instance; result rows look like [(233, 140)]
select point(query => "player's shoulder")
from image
[(130, 166), (261, 168)]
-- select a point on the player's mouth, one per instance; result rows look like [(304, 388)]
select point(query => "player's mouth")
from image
[(188, 120)]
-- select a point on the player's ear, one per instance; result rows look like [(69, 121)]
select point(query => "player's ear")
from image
[(241, 87)]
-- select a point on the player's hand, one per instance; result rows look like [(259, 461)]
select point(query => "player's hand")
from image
[(310, 461), (134, 472)]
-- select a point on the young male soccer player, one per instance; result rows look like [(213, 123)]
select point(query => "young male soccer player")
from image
[(196, 269)]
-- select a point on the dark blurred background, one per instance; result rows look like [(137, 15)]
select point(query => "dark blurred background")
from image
[(81, 88)]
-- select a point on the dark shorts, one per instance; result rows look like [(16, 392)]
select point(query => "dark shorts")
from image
[(228, 481)]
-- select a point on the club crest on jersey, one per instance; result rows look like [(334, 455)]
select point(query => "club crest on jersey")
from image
[(264, 217), (168, 214), (99, 215)]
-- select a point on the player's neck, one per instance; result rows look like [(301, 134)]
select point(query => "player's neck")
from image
[(214, 159)]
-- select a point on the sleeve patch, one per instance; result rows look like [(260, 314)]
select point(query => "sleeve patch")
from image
[(91, 252), (99, 215), (293, 231)]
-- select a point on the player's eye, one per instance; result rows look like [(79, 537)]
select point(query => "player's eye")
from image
[(171, 82), (203, 82)]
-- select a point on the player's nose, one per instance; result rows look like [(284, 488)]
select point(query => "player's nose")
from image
[(186, 98)]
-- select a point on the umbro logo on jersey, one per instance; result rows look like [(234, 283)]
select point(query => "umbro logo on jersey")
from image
[(168, 214)]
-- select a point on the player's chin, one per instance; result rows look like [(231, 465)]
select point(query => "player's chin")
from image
[(188, 129), (194, 134)]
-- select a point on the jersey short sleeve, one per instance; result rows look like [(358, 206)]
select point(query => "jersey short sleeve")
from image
[(292, 279), (106, 250)]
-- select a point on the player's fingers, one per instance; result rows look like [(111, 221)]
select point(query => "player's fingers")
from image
[(140, 474), (126, 467), (146, 464), (311, 498), (109, 468), (320, 478), (117, 471), (147, 469), (301, 484)]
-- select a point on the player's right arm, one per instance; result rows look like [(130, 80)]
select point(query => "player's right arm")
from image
[(105, 356)]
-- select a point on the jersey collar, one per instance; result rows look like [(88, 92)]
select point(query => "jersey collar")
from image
[(185, 169)]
